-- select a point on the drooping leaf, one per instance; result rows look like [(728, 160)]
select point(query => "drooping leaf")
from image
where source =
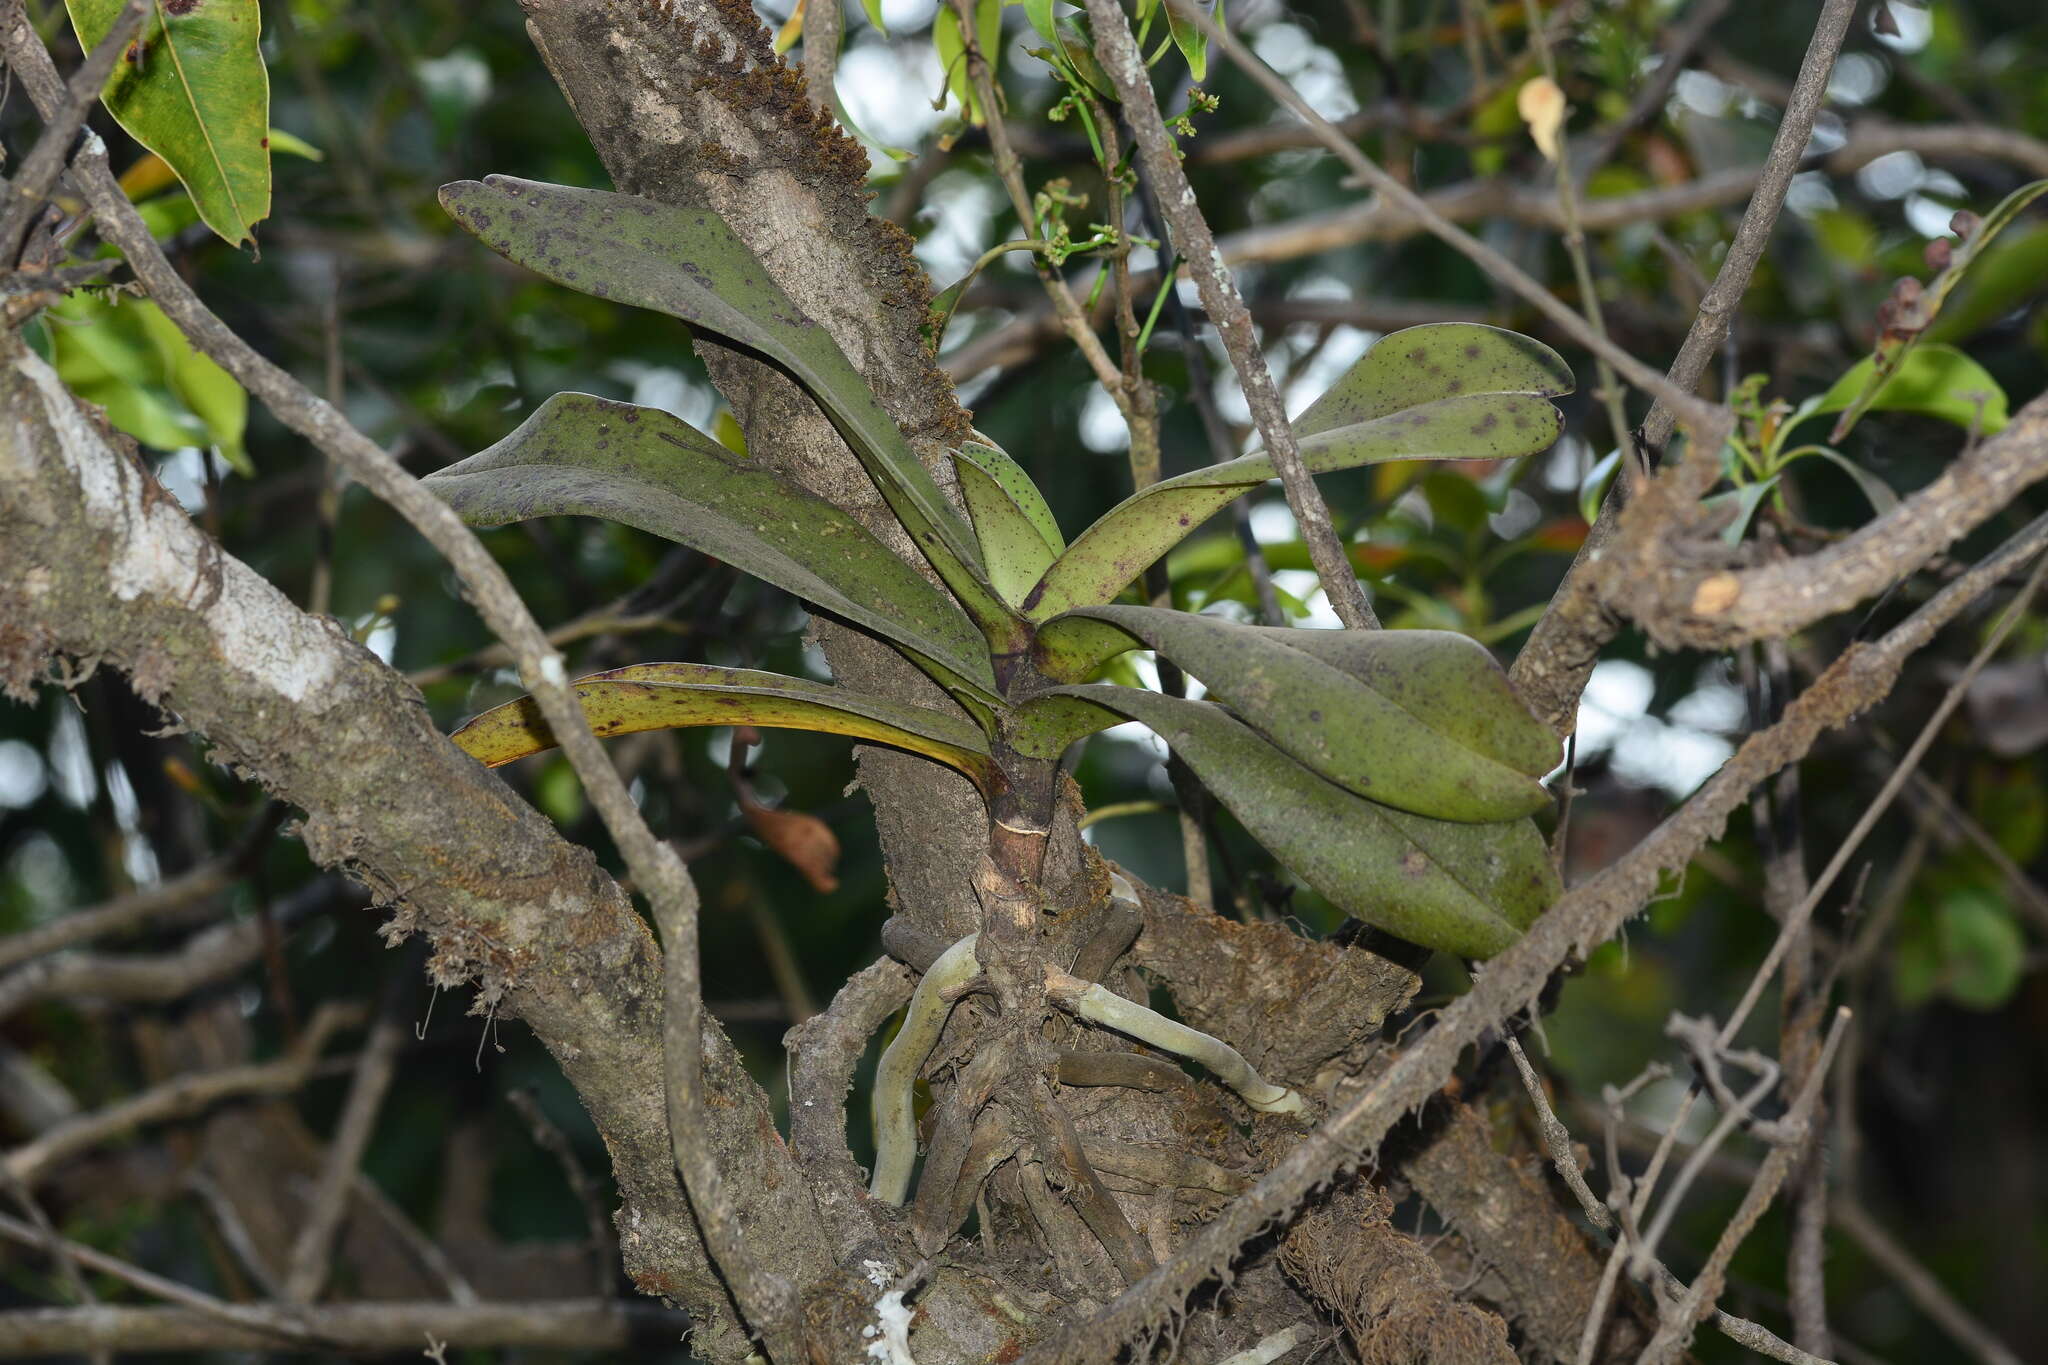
[(125, 355), (1421, 720), (951, 49), (688, 264), (1470, 889), (1875, 491), (192, 89), (1193, 45), (1131, 535), (1039, 14), (588, 456), (1913, 318), (666, 696), (1076, 49), (1934, 380)]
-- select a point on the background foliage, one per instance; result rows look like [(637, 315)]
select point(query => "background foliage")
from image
[(360, 282)]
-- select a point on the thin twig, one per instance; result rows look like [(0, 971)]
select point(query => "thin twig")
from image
[(1160, 159), (1557, 1140), (271, 1324), (121, 913), (180, 1097), (824, 23), (56, 1247), (1575, 248), (31, 186), (1009, 170), (313, 1248), (549, 1137), (1680, 1318), (1920, 1285), (616, 1330), (1707, 417)]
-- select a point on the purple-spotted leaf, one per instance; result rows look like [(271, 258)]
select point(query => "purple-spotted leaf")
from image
[(666, 696), (587, 456), (1469, 889), (1423, 720), (1476, 393), (1418, 365), (1018, 536), (688, 264)]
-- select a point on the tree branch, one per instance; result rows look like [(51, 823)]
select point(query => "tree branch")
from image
[(1587, 916)]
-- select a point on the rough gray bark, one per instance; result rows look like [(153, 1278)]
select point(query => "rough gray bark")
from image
[(96, 560)]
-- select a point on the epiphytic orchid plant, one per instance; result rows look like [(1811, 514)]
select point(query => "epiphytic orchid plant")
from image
[(1393, 771)]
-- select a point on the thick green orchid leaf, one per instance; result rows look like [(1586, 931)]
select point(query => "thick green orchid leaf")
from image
[(193, 89), (1073, 648), (587, 456), (667, 696), (1418, 365), (1131, 535), (1042, 726), (1014, 547), (995, 462), (688, 264), (1445, 391), (1470, 889), (1915, 315), (1447, 681), (1415, 719)]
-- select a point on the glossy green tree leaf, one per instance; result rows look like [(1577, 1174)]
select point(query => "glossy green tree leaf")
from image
[(1015, 549), (1416, 719), (666, 696), (1470, 889), (193, 89), (1352, 426), (688, 264), (126, 356), (587, 456), (1933, 380), (1898, 341), (1192, 42)]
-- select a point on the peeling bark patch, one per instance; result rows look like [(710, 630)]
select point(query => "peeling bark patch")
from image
[(153, 546)]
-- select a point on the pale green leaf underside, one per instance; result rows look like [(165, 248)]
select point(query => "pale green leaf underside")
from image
[(995, 462), (587, 456), (1470, 889), (662, 696), (1014, 549), (195, 92), (1423, 720)]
